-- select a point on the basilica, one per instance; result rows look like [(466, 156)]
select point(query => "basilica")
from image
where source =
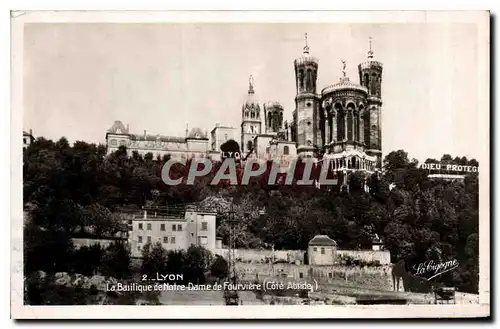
[(341, 124)]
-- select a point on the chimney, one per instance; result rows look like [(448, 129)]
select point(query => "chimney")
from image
[(144, 133), (31, 132), (127, 128)]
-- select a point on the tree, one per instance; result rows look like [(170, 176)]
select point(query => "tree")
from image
[(116, 260), (396, 160), (356, 182), (87, 260), (230, 148), (219, 268), (100, 221), (197, 261), (44, 250), (154, 259), (67, 188), (198, 257)]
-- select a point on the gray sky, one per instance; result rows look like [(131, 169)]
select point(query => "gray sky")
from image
[(80, 78)]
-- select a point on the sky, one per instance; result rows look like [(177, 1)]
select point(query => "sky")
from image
[(81, 77)]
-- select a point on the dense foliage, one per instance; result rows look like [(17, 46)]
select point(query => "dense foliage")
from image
[(189, 266), (73, 189)]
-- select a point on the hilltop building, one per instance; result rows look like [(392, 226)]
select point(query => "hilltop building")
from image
[(220, 135), (195, 144), (341, 124), (28, 138)]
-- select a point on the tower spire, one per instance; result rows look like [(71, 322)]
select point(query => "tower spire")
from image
[(370, 52), (250, 85), (306, 47)]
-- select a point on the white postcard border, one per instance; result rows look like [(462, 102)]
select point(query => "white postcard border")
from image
[(19, 310)]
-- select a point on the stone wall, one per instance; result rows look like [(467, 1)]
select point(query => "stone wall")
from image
[(86, 242), (376, 277), (264, 255), (383, 256), (291, 256)]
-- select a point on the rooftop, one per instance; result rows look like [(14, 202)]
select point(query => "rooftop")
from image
[(344, 84), (322, 240), (161, 138)]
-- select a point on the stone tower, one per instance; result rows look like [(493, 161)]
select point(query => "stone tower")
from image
[(370, 76), (250, 120), (273, 117), (307, 102)]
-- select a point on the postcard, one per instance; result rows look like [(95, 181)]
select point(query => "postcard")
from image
[(250, 165)]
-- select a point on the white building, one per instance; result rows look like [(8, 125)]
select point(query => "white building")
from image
[(28, 138), (322, 250), (221, 134), (174, 232)]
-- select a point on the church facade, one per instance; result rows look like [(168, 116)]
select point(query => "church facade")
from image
[(340, 125)]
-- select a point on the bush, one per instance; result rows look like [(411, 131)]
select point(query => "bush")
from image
[(219, 268), (154, 259), (116, 260)]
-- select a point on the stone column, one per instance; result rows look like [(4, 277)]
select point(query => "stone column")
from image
[(361, 136), (345, 124), (327, 127), (354, 135), (348, 115), (333, 130)]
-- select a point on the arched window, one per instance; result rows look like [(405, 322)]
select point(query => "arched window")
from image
[(361, 133), (286, 150), (366, 123), (340, 122), (366, 80), (249, 145), (373, 85), (252, 115), (246, 114), (301, 79), (309, 82), (350, 122), (269, 119)]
